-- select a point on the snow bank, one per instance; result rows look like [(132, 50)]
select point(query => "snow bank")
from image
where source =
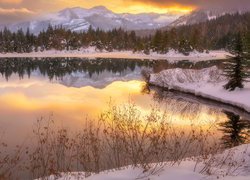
[(129, 173), (207, 83), (232, 164), (180, 76), (92, 53)]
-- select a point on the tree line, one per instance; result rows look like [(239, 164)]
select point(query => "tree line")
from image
[(214, 34)]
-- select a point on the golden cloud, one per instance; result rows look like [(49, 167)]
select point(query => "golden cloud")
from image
[(117, 6), (203, 4), (11, 1), (15, 11)]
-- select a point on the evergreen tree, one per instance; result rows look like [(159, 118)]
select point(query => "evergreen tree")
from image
[(7, 41), (196, 40), (174, 39), (236, 68), (29, 41), (184, 47), (166, 42), (1, 42), (157, 42)]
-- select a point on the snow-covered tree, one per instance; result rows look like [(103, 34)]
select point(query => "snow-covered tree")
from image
[(236, 68)]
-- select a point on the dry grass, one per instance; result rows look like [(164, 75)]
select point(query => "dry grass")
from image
[(121, 136)]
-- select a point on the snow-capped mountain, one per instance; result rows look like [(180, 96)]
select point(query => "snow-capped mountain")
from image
[(197, 17), (80, 19)]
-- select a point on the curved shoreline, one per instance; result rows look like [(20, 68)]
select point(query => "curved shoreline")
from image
[(205, 96), (207, 101), (90, 53)]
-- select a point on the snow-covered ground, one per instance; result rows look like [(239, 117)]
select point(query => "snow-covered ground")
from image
[(207, 83), (232, 164), (92, 53)]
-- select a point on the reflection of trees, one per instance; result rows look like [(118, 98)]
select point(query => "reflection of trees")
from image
[(189, 110), (236, 130), (58, 67), (145, 89)]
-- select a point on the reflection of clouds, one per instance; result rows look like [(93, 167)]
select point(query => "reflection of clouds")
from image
[(15, 82), (40, 95), (21, 106), (28, 99), (31, 94), (20, 84)]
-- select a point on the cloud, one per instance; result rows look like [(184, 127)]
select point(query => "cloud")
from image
[(11, 1), (14, 14), (203, 4), (23, 8), (15, 11)]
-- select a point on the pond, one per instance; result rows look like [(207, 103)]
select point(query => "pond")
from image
[(71, 90)]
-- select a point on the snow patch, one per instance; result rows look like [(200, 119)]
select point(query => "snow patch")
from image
[(92, 52), (187, 169), (207, 83)]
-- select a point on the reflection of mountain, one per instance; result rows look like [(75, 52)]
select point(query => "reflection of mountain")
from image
[(57, 68), (98, 80), (54, 68)]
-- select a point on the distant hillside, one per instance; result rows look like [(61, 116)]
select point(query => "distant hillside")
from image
[(218, 32), (198, 16), (207, 22)]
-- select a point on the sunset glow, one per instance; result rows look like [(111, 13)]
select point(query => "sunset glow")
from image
[(140, 8), (117, 6), (120, 6)]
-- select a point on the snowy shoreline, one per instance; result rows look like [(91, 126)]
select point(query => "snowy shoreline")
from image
[(189, 169), (92, 53), (208, 84)]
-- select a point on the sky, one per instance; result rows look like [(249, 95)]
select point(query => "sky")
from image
[(19, 10)]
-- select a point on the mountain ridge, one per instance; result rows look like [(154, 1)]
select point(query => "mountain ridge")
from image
[(80, 19)]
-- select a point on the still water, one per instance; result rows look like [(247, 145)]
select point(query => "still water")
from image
[(75, 89)]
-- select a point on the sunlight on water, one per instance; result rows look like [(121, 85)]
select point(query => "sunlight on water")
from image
[(71, 91), (106, 99), (26, 100)]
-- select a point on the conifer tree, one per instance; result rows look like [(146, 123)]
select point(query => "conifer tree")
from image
[(184, 47), (157, 42), (236, 68)]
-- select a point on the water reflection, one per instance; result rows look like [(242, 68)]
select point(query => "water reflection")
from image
[(58, 67), (236, 131), (73, 89), (54, 68)]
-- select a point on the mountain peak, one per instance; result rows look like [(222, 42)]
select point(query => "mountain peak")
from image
[(72, 9), (100, 8)]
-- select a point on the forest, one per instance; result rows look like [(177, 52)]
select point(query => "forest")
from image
[(210, 35)]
